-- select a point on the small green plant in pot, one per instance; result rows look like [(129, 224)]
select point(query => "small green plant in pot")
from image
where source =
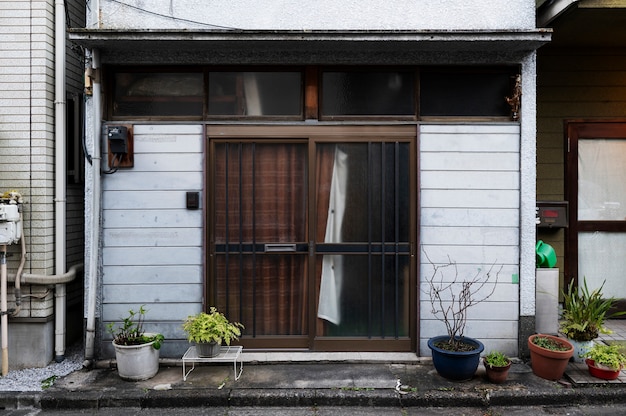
[(584, 313), (136, 351), (497, 366), (209, 330), (605, 361)]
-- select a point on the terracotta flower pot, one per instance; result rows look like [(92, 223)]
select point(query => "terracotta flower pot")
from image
[(549, 364), (497, 375), (603, 373)]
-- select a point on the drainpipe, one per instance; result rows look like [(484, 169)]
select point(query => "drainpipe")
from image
[(4, 321), (92, 276), (60, 175)]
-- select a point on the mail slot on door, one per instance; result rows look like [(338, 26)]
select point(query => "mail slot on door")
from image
[(552, 214)]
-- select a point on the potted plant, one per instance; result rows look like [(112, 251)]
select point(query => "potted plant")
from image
[(497, 366), (209, 330), (456, 356), (605, 361), (549, 355), (584, 313), (136, 351)]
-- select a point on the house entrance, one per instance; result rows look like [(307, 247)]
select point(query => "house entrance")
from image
[(596, 239), (312, 235)]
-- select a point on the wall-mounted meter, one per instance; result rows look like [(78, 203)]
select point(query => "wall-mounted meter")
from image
[(9, 224), (552, 214)]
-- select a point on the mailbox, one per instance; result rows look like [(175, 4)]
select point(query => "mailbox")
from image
[(552, 214)]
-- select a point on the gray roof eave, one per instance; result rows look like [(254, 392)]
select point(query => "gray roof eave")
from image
[(401, 40)]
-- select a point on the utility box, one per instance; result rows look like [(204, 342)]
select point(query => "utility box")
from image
[(552, 214), (9, 224)]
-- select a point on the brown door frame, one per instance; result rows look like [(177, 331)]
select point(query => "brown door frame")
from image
[(320, 134), (575, 130)]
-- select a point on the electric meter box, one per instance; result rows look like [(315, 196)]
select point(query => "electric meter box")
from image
[(552, 214), (9, 224)]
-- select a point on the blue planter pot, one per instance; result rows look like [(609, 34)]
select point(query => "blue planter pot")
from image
[(456, 365)]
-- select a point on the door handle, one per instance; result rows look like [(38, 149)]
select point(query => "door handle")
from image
[(277, 247)]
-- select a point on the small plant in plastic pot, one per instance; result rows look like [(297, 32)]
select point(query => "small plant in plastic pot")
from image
[(209, 330)]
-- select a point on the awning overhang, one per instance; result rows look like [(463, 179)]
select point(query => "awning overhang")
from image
[(110, 41)]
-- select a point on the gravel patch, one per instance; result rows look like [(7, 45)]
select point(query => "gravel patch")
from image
[(36, 379)]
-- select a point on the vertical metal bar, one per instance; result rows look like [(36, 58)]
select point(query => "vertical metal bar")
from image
[(227, 225), (369, 238), (383, 192), (397, 235), (240, 247), (253, 239)]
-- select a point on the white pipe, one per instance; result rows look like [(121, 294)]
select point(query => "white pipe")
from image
[(48, 280), (92, 276), (60, 175), (4, 319)]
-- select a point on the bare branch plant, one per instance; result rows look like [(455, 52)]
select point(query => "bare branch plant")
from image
[(451, 299)]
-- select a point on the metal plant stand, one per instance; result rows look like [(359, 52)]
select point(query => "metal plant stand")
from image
[(227, 354)]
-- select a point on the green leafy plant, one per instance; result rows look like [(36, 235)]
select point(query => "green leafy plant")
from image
[(609, 356), (131, 331), (211, 327), (549, 343), (584, 312), (496, 359)]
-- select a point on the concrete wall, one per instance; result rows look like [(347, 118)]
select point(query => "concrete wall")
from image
[(318, 15)]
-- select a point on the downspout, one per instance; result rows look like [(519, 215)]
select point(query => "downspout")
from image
[(60, 175), (92, 276)]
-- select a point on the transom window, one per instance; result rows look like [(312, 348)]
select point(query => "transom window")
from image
[(404, 93)]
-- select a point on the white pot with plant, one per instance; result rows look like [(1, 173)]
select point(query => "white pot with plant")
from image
[(209, 330), (136, 351)]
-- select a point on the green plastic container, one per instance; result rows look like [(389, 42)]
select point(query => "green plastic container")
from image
[(546, 257)]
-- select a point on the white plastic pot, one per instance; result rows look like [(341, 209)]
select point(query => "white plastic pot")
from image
[(136, 362)]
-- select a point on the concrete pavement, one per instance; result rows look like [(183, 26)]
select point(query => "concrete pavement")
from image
[(392, 384)]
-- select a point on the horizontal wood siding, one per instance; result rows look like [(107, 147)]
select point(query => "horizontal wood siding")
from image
[(152, 244), (469, 213), (577, 83)]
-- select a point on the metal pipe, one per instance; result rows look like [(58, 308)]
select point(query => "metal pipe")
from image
[(4, 321), (92, 276), (60, 175)]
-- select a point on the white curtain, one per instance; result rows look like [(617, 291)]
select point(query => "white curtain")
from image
[(329, 307), (252, 96)]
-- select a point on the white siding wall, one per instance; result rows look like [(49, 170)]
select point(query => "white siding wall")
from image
[(470, 211), (318, 15), (152, 245)]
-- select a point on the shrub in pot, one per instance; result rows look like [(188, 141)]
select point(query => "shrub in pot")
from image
[(209, 330), (605, 361), (584, 313), (456, 356), (497, 366), (136, 351), (549, 355)]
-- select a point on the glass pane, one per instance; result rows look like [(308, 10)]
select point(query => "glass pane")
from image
[(158, 94), (266, 293), (462, 93), (601, 257), (373, 300), (368, 93), (260, 192), (371, 191), (601, 178), (362, 201), (255, 93)]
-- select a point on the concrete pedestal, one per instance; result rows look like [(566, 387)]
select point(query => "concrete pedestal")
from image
[(547, 301)]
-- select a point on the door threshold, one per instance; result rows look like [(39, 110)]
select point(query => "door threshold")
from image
[(322, 357)]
